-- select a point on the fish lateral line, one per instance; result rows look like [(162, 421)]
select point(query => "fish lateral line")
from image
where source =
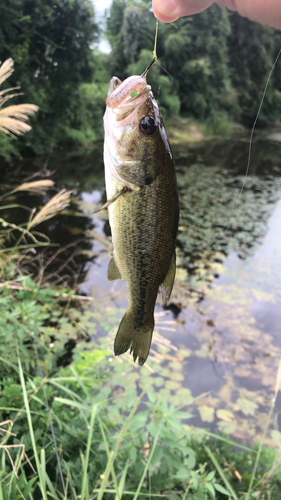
[(112, 200)]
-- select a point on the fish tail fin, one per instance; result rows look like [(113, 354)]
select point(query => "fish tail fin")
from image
[(138, 338)]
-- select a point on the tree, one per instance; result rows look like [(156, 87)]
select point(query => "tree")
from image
[(196, 55), (194, 52), (130, 28), (50, 42), (252, 50)]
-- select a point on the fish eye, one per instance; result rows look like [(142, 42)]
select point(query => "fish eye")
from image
[(148, 125)]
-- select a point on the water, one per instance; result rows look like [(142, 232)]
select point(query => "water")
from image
[(223, 322)]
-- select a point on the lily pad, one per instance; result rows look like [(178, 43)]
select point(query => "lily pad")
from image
[(207, 413), (225, 415), (247, 407)]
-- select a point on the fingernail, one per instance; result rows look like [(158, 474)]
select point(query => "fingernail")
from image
[(165, 7)]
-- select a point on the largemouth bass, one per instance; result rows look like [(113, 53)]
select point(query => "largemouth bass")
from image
[(143, 207)]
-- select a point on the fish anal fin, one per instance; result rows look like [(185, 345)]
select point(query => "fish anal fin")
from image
[(113, 272), (168, 282), (112, 200)]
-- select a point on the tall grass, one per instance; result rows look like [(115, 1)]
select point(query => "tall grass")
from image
[(211, 475)]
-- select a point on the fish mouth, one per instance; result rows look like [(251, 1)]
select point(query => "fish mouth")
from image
[(113, 83), (130, 92), (136, 100), (126, 103), (132, 104)]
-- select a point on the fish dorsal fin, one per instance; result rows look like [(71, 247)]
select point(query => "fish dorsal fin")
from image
[(112, 200), (168, 282), (113, 272)]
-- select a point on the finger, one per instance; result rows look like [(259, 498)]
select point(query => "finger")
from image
[(170, 10), (265, 12)]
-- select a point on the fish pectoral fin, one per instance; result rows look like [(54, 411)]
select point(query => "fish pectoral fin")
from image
[(112, 200), (168, 282), (138, 174), (113, 272)]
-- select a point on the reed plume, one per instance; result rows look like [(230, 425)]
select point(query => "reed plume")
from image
[(60, 201), (13, 118)]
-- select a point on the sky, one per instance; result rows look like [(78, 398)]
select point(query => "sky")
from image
[(100, 6)]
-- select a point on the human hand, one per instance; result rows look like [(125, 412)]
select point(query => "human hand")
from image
[(265, 12)]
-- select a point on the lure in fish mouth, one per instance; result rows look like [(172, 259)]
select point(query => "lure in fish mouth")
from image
[(143, 207)]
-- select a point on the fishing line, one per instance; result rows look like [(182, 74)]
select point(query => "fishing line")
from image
[(154, 57), (155, 39), (166, 71), (50, 418), (249, 152)]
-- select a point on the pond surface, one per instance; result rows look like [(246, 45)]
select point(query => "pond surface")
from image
[(219, 339)]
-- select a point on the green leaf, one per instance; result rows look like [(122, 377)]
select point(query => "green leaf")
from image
[(153, 428), (221, 489), (210, 476), (210, 489), (221, 473), (151, 396), (89, 444)]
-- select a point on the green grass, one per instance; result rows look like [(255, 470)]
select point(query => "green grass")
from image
[(109, 445), (147, 454)]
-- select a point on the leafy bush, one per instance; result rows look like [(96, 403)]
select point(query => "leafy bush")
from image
[(147, 453), (50, 44), (84, 123), (7, 148)]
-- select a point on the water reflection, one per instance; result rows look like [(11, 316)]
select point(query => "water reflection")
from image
[(227, 294), (225, 314)]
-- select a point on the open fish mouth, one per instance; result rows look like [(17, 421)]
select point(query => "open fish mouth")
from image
[(113, 83), (124, 94)]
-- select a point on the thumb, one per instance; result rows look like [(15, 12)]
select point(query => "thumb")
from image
[(170, 10)]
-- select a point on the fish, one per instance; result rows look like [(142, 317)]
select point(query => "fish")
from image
[(143, 207)]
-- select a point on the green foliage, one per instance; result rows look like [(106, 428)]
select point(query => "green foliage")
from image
[(130, 28), (199, 64), (33, 315), (147, 452), (219, 61), (83, 122), (252, 49), (50, 44), (220, 125), (7, 147), (178, 463)]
